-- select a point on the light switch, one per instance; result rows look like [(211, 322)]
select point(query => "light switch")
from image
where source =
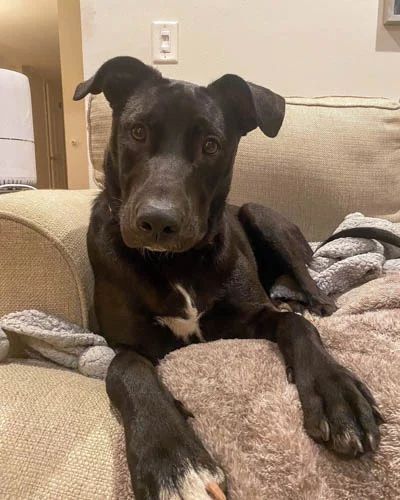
[(165, 42)]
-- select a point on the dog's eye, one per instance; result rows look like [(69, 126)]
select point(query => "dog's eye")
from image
[(210, 146), (139, 133)]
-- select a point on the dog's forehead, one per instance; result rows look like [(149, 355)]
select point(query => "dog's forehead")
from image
[(177, 97)]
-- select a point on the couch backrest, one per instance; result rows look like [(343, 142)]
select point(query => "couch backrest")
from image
[(333, 156)]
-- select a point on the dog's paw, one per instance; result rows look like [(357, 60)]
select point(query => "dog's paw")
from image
[(340, 411), (178, 472), (321, 304), (195, 484)]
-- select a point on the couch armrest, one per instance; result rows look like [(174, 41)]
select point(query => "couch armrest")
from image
[(43, 255)]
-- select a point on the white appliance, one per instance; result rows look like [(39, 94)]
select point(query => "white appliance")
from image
[(17, 146)]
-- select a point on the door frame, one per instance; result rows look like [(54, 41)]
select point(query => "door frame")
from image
[(71, 58)]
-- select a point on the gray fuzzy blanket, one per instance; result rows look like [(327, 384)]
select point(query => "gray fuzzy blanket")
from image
[(345, 263), (38, 335)]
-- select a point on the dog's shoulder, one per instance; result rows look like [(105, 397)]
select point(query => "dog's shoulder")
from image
[(237, 233)]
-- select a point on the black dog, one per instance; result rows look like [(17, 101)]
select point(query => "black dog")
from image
[(175, 264)]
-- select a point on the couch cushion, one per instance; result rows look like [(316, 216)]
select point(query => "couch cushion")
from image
[(333, 156), (59, 436)]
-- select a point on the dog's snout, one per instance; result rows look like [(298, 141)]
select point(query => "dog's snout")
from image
[(157, 221)]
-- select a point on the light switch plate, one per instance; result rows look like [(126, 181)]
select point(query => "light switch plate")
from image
[(164, 42)]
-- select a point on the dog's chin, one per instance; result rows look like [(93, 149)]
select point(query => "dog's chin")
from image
[(170, 248), (160, 251)]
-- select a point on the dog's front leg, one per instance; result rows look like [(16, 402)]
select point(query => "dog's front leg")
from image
[(338, 408), (166, 459)]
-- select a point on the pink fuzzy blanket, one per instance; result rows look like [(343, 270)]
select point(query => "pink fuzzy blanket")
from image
[(250, 417)]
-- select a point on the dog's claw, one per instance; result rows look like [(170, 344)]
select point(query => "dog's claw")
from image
[(215, 491), (378, 415), (325, 430), (360, 448), (372, 442)]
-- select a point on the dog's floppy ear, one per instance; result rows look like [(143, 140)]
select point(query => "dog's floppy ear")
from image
[(116, 78), (252, 106)]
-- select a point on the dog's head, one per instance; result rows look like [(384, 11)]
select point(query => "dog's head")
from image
[(172, 148)]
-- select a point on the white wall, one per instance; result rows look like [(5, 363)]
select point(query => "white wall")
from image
[(296, 47)]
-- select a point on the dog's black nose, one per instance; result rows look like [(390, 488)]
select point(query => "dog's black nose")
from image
[(157, 221)]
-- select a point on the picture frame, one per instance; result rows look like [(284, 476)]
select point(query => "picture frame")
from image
[(391, 12)]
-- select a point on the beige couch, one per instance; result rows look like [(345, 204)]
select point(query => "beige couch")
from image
[(58, 435)]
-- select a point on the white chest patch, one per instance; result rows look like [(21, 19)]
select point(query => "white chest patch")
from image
[(184, 327)]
